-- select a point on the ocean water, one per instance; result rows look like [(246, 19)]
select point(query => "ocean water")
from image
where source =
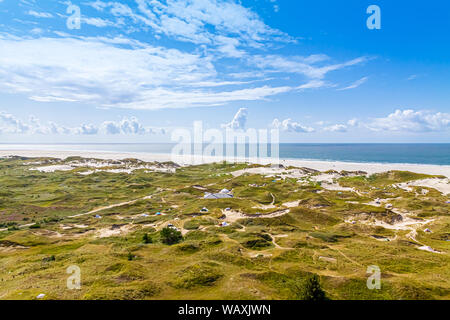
[(438, 154)]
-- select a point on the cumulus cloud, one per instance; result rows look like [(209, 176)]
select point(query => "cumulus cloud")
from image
[(13, 124), (412, 121), (291, 126), (239, 120), (87, 129), (127, 126), (336, 128), (353, 123)]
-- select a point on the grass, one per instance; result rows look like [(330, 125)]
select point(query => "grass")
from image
[(240, 261)]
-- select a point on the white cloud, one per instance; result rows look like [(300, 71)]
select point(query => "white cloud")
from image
[(115, 72), (127, 126), (13, 125), (39, 14), (313, 84), (127, 73), (239, 120), (412, 121), (87, 129), (291, 126), (353, 123), (355, 84), (301, 65), (99, 5), (223, 25), (97, 22), (336, 128)]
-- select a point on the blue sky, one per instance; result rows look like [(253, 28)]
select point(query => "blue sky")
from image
[(135, 70)]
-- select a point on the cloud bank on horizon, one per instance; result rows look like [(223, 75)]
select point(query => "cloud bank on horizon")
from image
[(154, 56)]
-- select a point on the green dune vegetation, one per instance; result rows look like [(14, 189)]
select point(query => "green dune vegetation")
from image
[(144, 230)]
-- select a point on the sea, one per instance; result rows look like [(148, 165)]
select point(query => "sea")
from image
[(423, 153)]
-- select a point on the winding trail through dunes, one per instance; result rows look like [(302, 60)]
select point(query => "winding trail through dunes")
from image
[(93, 211), (406, 224), (20, 227), (109, 207), (233, 216), (347, 257), (276, 244)]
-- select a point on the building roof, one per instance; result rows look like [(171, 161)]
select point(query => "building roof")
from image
[(217, 196)]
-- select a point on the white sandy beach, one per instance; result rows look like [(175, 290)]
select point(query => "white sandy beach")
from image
[(370, 168)]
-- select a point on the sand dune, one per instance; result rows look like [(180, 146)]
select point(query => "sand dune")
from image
[(313, 164)]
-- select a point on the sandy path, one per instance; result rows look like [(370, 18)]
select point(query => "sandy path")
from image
[(233, 216), (267, 207), (407, 224), (109, 207), (20, 227)]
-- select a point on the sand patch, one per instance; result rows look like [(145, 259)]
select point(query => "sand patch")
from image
[(265, 207), (233, 216), (130, 170), (113, 231), (441, 185), (272, 172), (53, 168), (327, 259), (328, 182), (47, 233), (9, 246), (429, 249), (292, 204)]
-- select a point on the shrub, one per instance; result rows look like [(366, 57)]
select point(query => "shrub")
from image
[(170, 236), (146, 239), (49, 259), (257, 244), (312, 290)]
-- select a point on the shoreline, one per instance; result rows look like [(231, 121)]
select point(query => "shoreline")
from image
[(320, 165)]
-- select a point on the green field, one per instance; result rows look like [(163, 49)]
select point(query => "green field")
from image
[(48, 223)]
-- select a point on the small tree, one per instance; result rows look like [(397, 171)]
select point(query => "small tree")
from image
[(170, 236), (312, 290), (146, 239)]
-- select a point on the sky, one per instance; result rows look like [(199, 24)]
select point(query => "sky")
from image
[(134, 71)]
